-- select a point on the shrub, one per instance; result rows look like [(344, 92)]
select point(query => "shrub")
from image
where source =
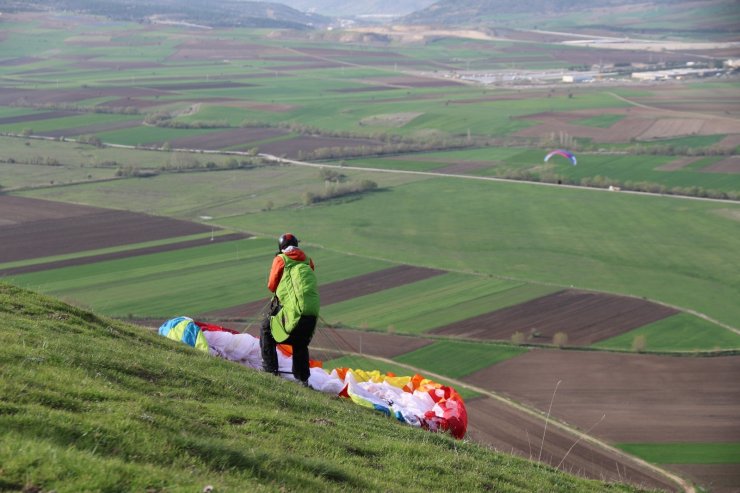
[(518, 337), (560, 339), (639, 343)]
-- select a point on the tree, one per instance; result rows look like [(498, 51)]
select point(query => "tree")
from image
[(639, 343)]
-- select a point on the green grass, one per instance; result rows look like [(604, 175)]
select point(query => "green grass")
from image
[(681, 332), (93, 404), (685, 453), (457, 359)]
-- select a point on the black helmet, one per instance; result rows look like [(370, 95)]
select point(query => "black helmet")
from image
[(287, 240)]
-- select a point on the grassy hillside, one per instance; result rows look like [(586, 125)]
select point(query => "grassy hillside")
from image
[(93, 404)]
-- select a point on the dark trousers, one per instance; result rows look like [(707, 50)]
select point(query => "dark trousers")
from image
[(300, 338)]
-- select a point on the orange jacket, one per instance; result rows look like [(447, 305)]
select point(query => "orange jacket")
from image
[(276, 272)]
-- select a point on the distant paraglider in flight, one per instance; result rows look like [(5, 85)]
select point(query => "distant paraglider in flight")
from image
[(562, 152)]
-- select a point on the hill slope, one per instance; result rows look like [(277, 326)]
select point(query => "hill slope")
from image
[(619, 17), (202, 12), (93, 404)]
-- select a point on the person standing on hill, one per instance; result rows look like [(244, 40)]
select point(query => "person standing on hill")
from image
[(294, 310)]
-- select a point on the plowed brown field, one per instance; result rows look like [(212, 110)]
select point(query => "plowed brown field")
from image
[(584, 317), (33, 228)]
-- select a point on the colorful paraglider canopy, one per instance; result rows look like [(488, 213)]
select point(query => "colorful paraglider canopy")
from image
[(413, 400), (562, 152)]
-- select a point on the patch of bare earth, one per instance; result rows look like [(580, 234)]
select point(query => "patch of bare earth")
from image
[(715, 478), (643, 398), (637, 124), (646, 398), (583, 316), (47, 115), (33, 228), (677, 164), (728, 165), (512, 431), (91, 129), (292, 147), (226, 138)]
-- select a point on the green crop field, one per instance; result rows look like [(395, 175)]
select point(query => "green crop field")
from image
[(677, 251), (672, 250), (681, 332), (181, 282), (618, 168), (456, 359), (685, 453)]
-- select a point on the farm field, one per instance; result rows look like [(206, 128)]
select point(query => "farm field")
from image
[(631, 257), (503, 288), (141, 282), (720, 173)]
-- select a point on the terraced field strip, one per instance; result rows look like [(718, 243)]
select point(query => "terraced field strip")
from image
[(122, 254), (187, 281), (31, 228), (584, 317), (338, 291), (680, 332), (457, 359), (429, 303)]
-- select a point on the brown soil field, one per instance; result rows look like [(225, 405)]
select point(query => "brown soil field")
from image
[(637, 124), (119, 65), (584, 317), (338, 291), (410, 81), (216, 49), (10, 96), (512, 431), (290, 148), (47, 115), (716, 478), (124, 254), (728, 165), (364, 89), (317, 65), (33, 228), (677, 164), (197, 85), (646, 398), (91, 129), (226, 138), (259, 106)]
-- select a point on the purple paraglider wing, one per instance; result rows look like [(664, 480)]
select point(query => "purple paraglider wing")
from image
[(562, 152)]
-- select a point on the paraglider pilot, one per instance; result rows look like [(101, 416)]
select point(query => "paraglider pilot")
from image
[(294, 309)]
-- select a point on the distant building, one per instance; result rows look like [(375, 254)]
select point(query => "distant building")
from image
[(678, 73)]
